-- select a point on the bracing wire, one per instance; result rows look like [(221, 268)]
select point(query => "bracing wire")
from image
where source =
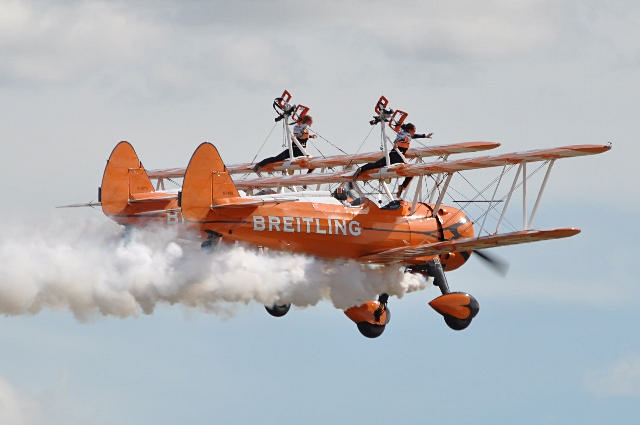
[(464, 205), (365, 139), (264, 142), (318, 149), (328, 141)]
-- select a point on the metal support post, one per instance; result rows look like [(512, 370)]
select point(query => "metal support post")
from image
[(542, 187), (506, 204)]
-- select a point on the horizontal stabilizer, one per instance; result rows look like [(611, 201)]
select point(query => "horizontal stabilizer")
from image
[(151, 197), (86, 204), (156, 213)]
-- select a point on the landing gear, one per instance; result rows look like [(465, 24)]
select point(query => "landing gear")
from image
[(212, 240), (370, 330), (278, 310), (208, 244), (455, 323), (457, 308), (372, 317)]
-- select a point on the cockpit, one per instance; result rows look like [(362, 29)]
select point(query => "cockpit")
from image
[(348, 195)]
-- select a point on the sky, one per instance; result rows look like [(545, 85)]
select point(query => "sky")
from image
[(554, 342)]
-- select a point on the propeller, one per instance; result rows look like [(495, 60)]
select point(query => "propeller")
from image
[(497, 264)]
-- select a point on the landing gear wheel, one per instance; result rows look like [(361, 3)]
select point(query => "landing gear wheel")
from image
[(370, 330), (457, 308), (457, 324), (278, 310), (451, 305), (371, 317), (208, 244), (213, 238)]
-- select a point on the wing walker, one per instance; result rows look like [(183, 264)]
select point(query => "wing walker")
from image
[(338, 212)]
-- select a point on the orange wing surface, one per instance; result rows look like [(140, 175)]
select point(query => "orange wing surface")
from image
[(166, 173), (465, 245), (407, 170), (345, 160), (339, 160)]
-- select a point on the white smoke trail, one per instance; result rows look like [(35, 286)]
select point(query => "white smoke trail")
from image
[(90, 267)]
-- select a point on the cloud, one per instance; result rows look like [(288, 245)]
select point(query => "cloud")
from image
[(464, 29), (52, 407), (183, 50), (16, 408), (146, 45), (125, 48), (621, 379), (59, 44)]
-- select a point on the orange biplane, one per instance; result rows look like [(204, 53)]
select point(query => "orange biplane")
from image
[(344, 217)]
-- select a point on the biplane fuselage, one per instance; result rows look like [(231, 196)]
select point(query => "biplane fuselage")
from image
[(425, 238), (328, 230)]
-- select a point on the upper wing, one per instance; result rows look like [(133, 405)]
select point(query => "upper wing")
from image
[(250, 202), (344, 160), (506, 159), (471, 244), (167, 173), (408, 170), (337, 160)]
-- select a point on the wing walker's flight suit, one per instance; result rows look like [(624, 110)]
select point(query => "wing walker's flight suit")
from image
[(301, 133), (400, 144)]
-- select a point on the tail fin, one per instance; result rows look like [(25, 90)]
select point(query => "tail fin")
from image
[(124, 177), (205, 180)]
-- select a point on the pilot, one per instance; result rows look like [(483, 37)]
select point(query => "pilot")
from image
[(400, 145), (347, 194), (301, 133)]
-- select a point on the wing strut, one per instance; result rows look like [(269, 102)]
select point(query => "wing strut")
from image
[(387, 191), (493, 197), (442, 193), (506, 203), (522, 170), (542, 187), (417, 195)]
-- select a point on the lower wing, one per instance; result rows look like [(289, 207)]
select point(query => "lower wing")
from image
[(471, 244)]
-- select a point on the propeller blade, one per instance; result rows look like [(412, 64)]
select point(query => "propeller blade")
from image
[(495, 263)]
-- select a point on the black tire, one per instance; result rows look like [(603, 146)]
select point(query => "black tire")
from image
[(370, 330), (457, 324), (278, 310), (209, 244)]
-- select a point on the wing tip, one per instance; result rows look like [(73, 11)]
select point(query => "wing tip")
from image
[(565, 232)]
